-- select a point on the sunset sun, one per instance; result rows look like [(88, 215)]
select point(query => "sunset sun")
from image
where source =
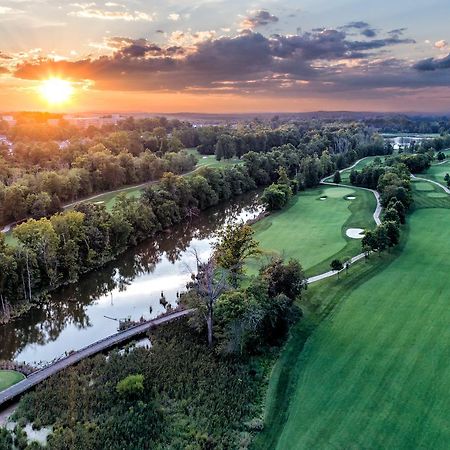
[(56, 91)]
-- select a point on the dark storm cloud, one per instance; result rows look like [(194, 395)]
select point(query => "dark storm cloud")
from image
[(318, 61), (432, 64), (259, 18)]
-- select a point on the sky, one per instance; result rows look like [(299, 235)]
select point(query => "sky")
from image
[(227, 55)]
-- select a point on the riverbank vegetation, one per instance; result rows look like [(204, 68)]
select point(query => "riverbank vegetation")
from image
[(180, 393), (57, 250)]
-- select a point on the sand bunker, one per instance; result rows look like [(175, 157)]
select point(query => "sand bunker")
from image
[(350, 197), (355, 233), (323, 198), (99, 203)]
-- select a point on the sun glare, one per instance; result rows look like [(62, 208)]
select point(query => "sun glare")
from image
[(56, 91)]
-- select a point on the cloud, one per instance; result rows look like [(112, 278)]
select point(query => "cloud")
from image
[(441, 44), (6, 10), (189, 39), (432, 64), (259, 18), (4, 70), (320, 61), (90, 11), (397, 32), (363, 27), (174, 17)]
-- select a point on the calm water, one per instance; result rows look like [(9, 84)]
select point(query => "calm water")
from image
[(75, 315)]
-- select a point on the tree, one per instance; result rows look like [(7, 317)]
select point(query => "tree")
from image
[(392, 230), (337, 177), (8, 276), (131, 386), (369, 242), (284, 278), (234, 246), (40, 237), (208, 284), (391, 215), (382, 238), (274, 197), (336, 265), (399, 207)]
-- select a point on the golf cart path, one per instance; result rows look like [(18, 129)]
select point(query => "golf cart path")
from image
[(376, 218), (446, 189)]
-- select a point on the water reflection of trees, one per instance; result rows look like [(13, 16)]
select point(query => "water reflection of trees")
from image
[(68, 305)]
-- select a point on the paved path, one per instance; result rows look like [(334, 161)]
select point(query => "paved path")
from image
[(440, 163), (376, 218), (377, 212), (330, 273), (446, 189), (37, 377)]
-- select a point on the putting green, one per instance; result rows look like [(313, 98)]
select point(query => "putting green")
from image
[(9, 377), (375, 371), (314, 231), (423, 186)]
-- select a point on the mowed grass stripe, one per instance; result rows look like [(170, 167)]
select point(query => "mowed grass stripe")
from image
[(376, 374)]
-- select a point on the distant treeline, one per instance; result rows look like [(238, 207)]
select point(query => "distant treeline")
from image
[(36, 177)]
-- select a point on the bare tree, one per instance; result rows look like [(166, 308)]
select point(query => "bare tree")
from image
[(209, 282)]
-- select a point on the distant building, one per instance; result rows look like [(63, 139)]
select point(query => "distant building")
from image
[(94, 120), (9, 119)]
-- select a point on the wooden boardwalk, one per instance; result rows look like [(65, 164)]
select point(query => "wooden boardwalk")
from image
[(37, 377)]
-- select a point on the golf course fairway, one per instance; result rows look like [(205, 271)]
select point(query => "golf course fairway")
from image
[(313, 226), (369, 367)]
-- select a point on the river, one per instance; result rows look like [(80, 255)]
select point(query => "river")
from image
[(74, 316)]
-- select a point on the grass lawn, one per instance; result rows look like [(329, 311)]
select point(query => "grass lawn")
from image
[(313, 230), (368, 367), (437, 172), (9, 377), (345, 174), (211, 161)]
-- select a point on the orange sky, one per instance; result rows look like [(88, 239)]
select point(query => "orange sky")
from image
[(140, 56)]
